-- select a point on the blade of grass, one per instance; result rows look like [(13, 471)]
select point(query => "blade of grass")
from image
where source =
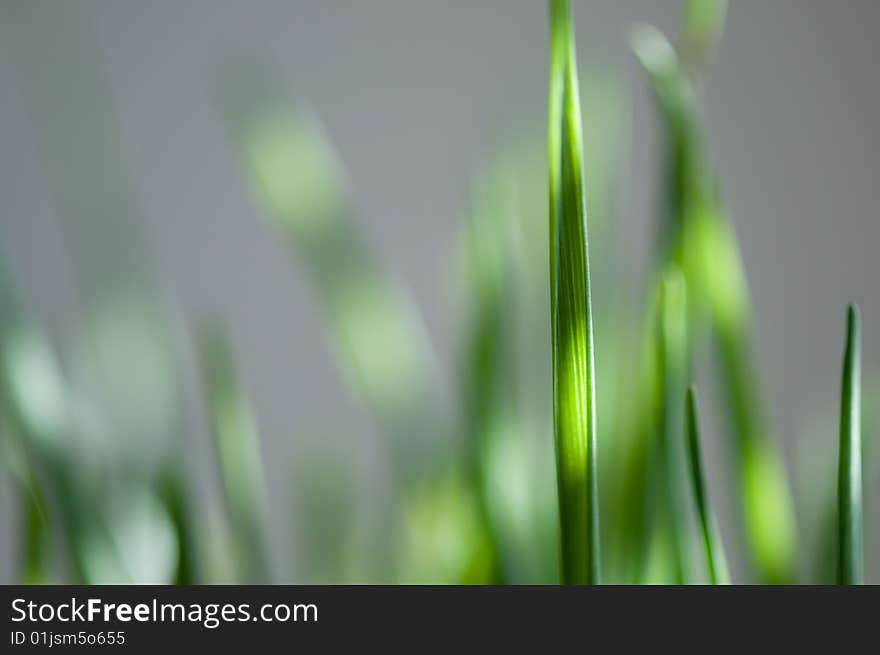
[(849, 491), (574, 394), (34, 555), (702, 24), (700, 239), (35, 558), (238, 454), (31, 406), (381, 343), (503, 261), (825, 563), (673, 371), (378, 334), (488, 368), (171, 490), (716, 562)]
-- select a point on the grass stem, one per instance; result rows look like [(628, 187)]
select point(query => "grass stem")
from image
[(849, 490)]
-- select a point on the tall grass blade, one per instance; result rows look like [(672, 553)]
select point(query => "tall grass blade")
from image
[(487, 366), (849, 491), (716, 562), (673, 371), (507, 414), (379, 337), (699, 238), (825, 564), (574, 394), (35, 427), (172, 493), (703, 22), (35, 553), (238, 454)]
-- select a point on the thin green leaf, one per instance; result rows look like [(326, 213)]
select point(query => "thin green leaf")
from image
[(378, 334), (825, 564), (487, 366), (503, 254), (673, 368), (238, 455), (379, 338), (36, 562), (698, 237), (171, 489), (703, 22), (716, 562), (686, 186), (574, 396), (849, 491)]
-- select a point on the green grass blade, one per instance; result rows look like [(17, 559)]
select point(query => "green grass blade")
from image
[(487, 366), (673, 370), (716, 561), (825, 563), (35, 554), (697, 235), (375, 329), (574, 394), (703, 22), (238, 454), (172, 492), (377, 333), (849, 491)]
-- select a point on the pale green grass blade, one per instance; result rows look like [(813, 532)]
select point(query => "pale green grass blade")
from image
[(825, 565), (488, 362), (849, 492), (171, 490), (238, 455), (34, 427), (699, 238), (445, 536), (702, 24), (377, 333), (716, 562), (503, 255), (673, 370), (375, 330), (36, 552), (574, 396)]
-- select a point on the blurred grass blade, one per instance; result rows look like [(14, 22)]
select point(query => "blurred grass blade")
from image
[(444, 538), (849, 491), (172, 493), (378, 336), (574, 394), (487, 365), (36, 557), (699, 238), (716, 561), (32, 408), (77, 133), (703, 22), (686, 186), (380, 339), (673, 371), (826, 559), (238, 453), (507, 414)]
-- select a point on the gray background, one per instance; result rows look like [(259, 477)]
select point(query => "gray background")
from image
[(413, 94)]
